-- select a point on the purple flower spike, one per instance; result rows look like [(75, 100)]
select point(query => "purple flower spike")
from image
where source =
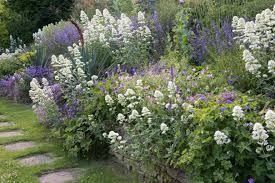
[(222, 109), (172, 73), (202, 98), (250, 180), (246, 107)]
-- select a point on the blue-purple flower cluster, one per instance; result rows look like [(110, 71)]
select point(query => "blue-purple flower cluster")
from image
[(217, 38)]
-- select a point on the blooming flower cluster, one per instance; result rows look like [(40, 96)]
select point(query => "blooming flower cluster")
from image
[(40, 94), (54, 36), (221, 138), (270, 120), (119, 35), (105, 28), (257, 37), (16, 47), (115, 138), (164, 128), (237, 113)]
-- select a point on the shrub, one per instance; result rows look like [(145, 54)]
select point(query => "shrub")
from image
[(9, 67)]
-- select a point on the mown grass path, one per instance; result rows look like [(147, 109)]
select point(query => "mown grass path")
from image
[(29, 155)]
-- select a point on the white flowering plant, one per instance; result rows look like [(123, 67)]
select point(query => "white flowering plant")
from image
[(128, 39), (256, 38), (43, 103)]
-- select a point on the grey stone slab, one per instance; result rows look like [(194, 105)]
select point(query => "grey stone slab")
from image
[(61, 176), (38, 159), (11, 133), (18, 146)]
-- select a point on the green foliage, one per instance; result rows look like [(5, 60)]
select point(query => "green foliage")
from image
[(123, 6), (167, 9), (208, 10), (36, 14), (9, 67), (182, 33), (229, 65), (204, 160), (6, 18), (97, 59), (83, 135)]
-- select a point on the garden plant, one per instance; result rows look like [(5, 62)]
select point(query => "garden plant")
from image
[(172, 91)]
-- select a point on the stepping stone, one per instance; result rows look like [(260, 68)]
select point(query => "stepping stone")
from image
[(19, 146), (61, 176), (11, 133), (6, 124), (36, 160)]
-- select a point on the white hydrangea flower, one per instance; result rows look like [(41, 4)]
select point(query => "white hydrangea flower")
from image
[(171, 106), (78, 87), (188, 107), (270, 120), (221, 138), (113, 136), (94, 77), (158, 95), (121, 118), (90, 83), (257, 37), (260, 134), (134, 115), (139, 84), (130, 94), (271, 67), (252, 65), (164, 128), (121, 99), (145, 112), (109, 100), (237, 113), (172, 87), (104, 135), (269, 148)]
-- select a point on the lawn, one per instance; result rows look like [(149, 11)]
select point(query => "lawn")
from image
[(12, 171)]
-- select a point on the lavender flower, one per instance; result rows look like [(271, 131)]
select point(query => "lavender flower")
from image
[(250, 180)]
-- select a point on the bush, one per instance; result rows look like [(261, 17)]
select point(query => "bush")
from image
[(9, 67)]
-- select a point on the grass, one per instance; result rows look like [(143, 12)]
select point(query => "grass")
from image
[(11, 171)]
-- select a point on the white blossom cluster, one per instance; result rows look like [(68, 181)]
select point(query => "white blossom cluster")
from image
[(257, 37), (16, 47), (221, 138), (105, 28), (68, 71), (115, 139), (164, 128), (39, 94), (260, 134), (270, 120), (237, 113)]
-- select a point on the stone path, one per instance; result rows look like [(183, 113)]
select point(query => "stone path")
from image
[(19, 146), (11, 133), (36, 160), (58, 176)]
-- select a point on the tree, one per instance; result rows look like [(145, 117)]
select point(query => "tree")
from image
[(35, 14)]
